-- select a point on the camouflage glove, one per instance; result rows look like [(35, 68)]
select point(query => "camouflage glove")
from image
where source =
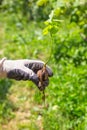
[(22, 70)]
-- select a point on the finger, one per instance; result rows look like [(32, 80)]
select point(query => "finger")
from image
[(44, 85), (37, 65), (49, 70), (32, 76), (21, 74), (34, 65), (18, 74)]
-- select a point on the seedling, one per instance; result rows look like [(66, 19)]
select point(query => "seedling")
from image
[(43, 76)]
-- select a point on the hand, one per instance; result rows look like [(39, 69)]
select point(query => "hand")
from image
[(23, 70)]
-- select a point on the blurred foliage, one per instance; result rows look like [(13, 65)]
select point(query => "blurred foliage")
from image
[(28, 9), (65, 35), (6, 106), (67, 26)]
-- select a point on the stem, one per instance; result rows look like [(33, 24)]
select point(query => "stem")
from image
[(43, 97), (50, 50)]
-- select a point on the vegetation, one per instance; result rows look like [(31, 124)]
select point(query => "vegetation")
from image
[(46, 30)]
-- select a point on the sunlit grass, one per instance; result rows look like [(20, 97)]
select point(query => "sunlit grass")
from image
[(21, 102)]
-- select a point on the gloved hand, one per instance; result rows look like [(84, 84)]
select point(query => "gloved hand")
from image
[(23, 70)]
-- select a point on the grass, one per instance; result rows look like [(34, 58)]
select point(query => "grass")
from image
[(21, 105)]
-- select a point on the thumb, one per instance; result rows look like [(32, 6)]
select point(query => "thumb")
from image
[(32, 76)]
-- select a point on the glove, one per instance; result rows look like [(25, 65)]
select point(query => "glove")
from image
[(23, 70)]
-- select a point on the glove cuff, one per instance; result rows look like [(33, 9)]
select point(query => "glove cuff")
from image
[(2, 73)]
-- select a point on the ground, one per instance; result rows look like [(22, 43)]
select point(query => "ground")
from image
[(26, 114)]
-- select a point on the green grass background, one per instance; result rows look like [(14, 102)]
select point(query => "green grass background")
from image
[(21, 105)]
